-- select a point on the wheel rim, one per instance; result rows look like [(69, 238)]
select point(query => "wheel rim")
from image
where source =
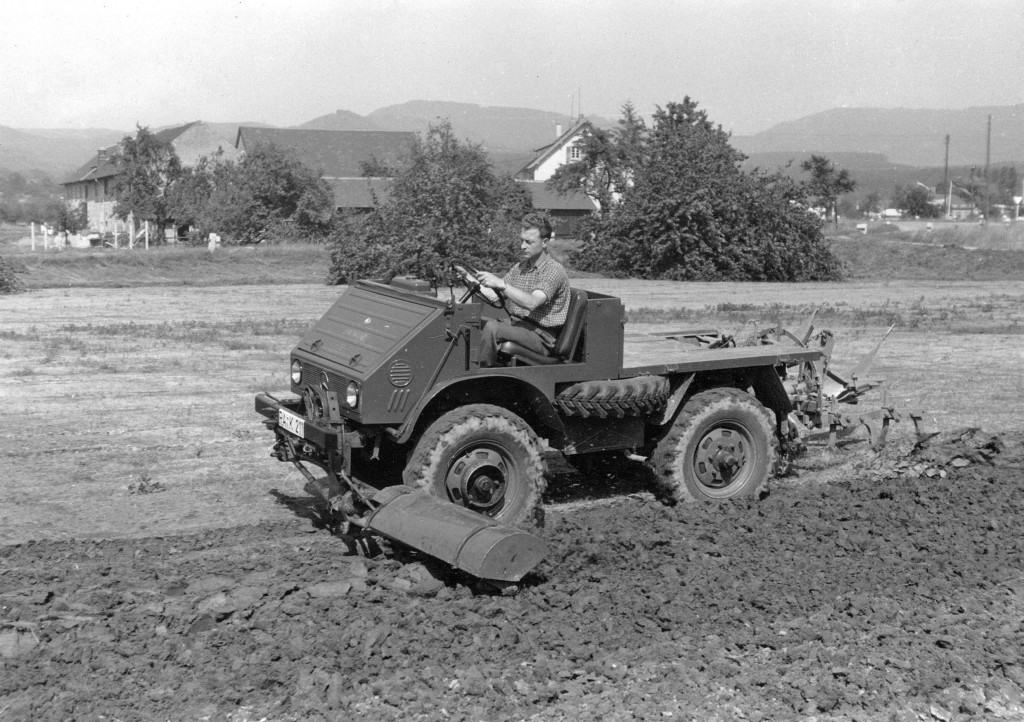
[(481, 478), (725, 456)]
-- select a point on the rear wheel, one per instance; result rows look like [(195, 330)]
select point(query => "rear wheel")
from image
[(721, 446), (484, 458)]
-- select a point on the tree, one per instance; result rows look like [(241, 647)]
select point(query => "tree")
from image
[(29, 198), (916, 201), (827, 183), (1007, 185), (445, 202), (147, 166), (873, 202), (376, 168), (688, 212), (267, 195), (606, 162), (190, 195), (71, 219)]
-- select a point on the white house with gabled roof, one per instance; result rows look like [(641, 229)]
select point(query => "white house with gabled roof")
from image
[(566, 210), (565, 149)]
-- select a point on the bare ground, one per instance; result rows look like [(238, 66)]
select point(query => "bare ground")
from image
[(160, 566)]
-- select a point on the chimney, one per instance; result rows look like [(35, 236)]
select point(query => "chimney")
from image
[(558, 130), (101, 156)]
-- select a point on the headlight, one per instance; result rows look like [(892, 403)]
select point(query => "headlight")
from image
[(352, 394), (296, 371)]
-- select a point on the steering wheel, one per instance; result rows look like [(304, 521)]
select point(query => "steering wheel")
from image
[(491, 296)]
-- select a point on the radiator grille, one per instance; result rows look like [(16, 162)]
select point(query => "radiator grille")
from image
[(313, 375)]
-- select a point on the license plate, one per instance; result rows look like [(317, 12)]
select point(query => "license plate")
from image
[(291, 422)]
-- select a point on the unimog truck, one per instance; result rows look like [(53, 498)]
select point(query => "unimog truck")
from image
[(388, 398)]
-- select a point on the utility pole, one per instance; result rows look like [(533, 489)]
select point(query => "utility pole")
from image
[(988, 158), (945, 174)]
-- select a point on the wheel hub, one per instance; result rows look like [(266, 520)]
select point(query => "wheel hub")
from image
[(720, 458), (478, 479)]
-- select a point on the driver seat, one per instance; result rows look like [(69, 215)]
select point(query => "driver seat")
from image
[(565, 346)]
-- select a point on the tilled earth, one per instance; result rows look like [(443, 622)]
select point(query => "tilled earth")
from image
[(890, 588)]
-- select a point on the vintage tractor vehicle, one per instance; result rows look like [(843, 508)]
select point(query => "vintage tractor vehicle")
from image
[(388, 383)]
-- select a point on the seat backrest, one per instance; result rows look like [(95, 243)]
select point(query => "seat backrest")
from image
[(570, 334)]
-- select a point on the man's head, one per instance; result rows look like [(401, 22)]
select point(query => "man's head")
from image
[(534, 236), (538, 221)]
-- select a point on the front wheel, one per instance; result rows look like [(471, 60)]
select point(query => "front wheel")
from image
[(484, 458), (721, 446)]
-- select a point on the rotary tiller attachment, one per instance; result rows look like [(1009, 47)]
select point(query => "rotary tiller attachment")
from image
[(458, 536)]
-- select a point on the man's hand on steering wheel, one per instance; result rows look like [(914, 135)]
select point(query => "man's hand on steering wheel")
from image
[(478, 283), (492, 281)]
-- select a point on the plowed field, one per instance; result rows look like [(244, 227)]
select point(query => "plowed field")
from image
[(159, 566)]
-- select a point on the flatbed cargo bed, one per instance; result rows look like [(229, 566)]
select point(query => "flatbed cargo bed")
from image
[(666, 353)]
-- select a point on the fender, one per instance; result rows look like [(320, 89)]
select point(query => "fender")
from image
[(770, 392), (497, 386)]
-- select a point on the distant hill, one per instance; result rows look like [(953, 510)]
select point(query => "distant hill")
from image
[(862, 166), (52, 152), (871, 171), (497, 128), (341, 120), (879, 146), (510, 135), (903, 135)]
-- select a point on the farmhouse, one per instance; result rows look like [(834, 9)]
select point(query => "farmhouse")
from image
[(93, 183), (564, 150), (569, 209), (339, 157)]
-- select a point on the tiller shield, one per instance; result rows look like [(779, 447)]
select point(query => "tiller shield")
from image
[(458, 536)]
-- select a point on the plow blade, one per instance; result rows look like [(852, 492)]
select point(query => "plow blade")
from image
[(455, 535)]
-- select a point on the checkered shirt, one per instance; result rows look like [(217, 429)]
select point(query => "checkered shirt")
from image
[(546, 275)]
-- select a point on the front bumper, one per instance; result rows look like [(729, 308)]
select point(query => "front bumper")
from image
[(319, 435), (314, 441)]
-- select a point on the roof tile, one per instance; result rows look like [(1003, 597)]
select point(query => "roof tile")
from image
[(335, 153)]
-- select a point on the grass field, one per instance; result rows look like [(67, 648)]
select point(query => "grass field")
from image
[(170, 266), (959, 252)]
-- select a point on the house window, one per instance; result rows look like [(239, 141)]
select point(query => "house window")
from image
[(575, 153)]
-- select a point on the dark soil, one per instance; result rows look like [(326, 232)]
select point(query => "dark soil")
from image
[(895, 591)]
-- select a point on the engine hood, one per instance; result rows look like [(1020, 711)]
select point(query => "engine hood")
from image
[(363, 326)]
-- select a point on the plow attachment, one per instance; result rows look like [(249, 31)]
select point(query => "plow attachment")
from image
[(823, 399)]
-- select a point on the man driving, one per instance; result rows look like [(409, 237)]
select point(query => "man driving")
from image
[(537, 289)]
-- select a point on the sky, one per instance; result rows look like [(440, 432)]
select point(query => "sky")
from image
[(749, 63)]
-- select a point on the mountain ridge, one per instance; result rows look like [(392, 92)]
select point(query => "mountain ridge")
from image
[(511, 134), (911, 136)]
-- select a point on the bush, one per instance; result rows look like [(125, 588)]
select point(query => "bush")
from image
[(689, 213), (445, 202), (9, 280), (267, 197)]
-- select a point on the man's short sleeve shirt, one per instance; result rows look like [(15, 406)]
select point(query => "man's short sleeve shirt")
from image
[(546, 275)]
